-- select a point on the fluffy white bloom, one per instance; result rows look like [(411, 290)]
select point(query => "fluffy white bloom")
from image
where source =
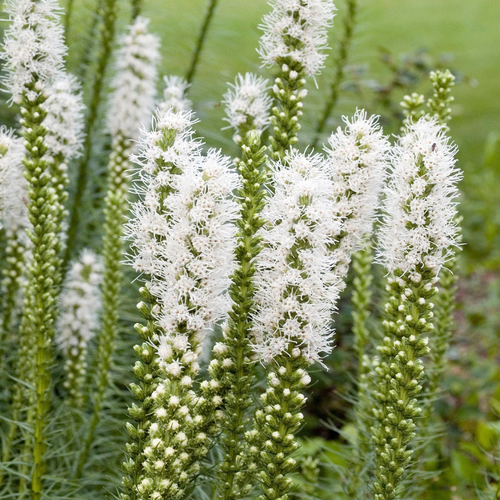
[(248, 103), (296, 30), (64, 121), (296, 288), (357, 162), (134, 84), (419, 226), (13, 195), (181, 233), (164, 152), (79, 304), (33, 46), (197, 253), (174, 94)]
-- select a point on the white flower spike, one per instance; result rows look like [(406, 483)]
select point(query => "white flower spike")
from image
[(132, 102), (296, 289), (175, 94), (248, 104), (33, 46), (419, 227), (357, 163), (297, 30)]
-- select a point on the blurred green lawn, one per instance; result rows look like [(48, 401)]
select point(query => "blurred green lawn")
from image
[(469, 29)]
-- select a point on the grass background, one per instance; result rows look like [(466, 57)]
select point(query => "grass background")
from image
[(468, 29)]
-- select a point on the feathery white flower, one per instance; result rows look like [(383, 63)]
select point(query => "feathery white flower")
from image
[(296, 289), (33, 46), (164, 152), (64, 120), (13, 195), (357, 162), (181, 231), (80, 303), (248, 104), (174, 94), (296, 30), (197, 252), (134, 84), (419, 226)]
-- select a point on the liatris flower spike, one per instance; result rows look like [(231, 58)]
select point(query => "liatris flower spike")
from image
[(175, 94), (33, 51), (134, 86), (295, 34), (418, 236), (248, 105), (357, 162), (132, 101), (296, 293), (189, 262), (79, 319)]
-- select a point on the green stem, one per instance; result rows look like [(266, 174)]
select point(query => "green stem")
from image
[(116, 206), (201, 40), (106, 38), (136, 8), (404, 370), (344, 48), (234, 473), (67, 19), (278, 422)]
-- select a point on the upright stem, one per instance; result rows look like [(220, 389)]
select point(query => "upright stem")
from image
[(136, 8), (235, 475), (116, 206), (278, 422), (201, 40), (344, 48), (106, 38), (67, 18), (44, 209), (404, 370)]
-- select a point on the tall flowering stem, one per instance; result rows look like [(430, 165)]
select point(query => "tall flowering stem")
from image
[(78, 320), (418, 236), (348, 25), (131, 104), (183, 240), (30, 68), (247, 108), (106, 37), (295, 34), (162, 156), (201, 40), (296, 291)]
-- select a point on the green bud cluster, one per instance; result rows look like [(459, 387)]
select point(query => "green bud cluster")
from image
[(39, 307), (277, 422), (439, 103), (400, 373), (288, 93)]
